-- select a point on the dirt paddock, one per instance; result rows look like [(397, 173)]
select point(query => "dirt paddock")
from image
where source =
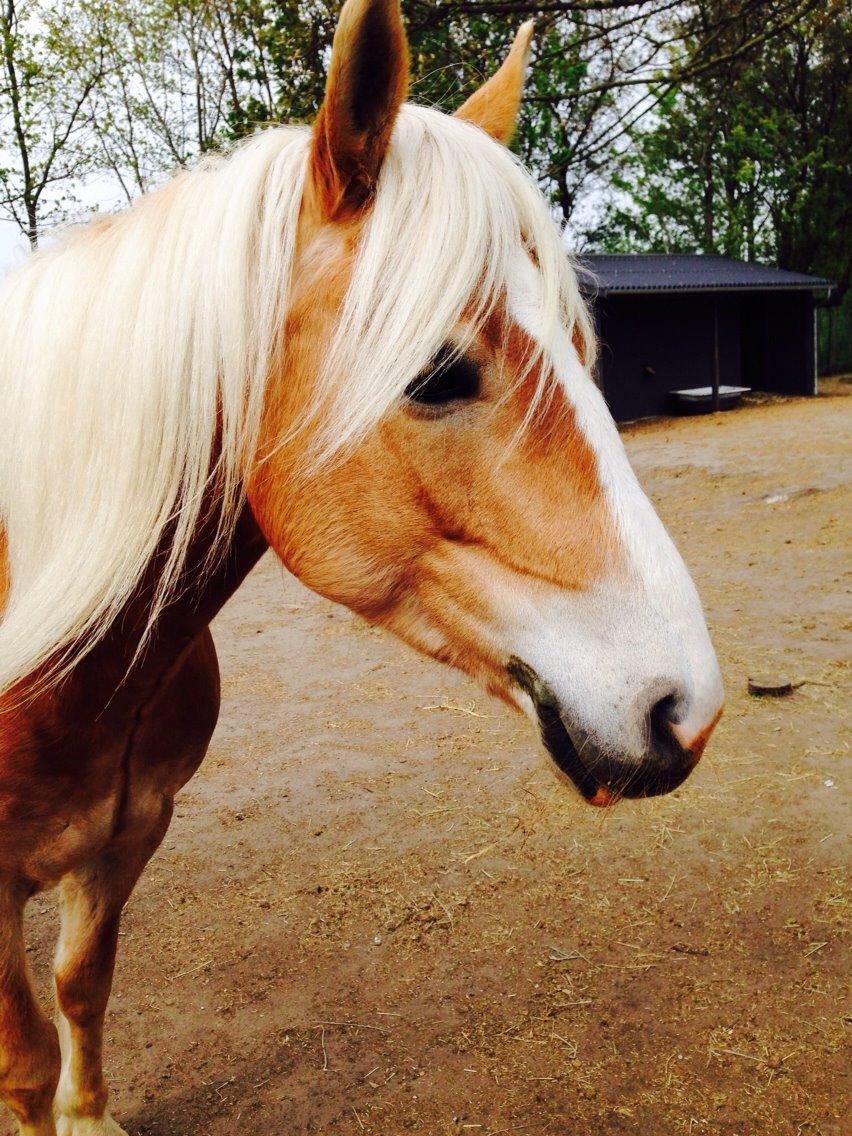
[(377, 911)]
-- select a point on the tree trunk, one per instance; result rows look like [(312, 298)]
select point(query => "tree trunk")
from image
[(707, 196), (32, 224)]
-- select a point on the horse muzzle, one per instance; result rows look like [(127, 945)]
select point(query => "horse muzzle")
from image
[(600, 777)]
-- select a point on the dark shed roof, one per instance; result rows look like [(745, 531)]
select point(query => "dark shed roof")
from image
[(613, 274)]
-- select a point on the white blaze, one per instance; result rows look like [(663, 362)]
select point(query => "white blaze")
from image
[(610, 653)]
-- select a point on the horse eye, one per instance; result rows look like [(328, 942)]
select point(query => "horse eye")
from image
[(450, 377)]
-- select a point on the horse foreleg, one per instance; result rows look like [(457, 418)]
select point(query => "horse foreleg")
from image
[(171, 742), (92, 899), (29, 1051)]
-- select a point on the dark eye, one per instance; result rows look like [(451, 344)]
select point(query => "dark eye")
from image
[(450, 377)]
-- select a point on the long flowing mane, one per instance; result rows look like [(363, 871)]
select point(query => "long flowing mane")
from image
[(135, 355)]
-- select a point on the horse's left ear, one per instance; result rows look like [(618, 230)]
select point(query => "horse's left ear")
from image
[(494, 106), (367, 83)]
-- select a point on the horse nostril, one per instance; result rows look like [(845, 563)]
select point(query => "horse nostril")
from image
[(668, 756), (663, 713), (673, 740)]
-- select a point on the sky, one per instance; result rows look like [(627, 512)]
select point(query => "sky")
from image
[(96, 193), (12, 246)]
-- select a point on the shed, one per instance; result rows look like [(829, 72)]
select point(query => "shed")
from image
[(674, 323)]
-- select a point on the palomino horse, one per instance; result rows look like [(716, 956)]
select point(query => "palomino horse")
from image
[(363, 346)]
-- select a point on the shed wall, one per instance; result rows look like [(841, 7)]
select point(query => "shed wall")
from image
[(778, 342), (655, 343), (669, 335)]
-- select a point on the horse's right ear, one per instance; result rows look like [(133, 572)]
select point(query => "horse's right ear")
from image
[(367, 83)]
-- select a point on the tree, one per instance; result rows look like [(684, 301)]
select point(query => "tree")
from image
[(52, 62), (750, 157), (169, 87)]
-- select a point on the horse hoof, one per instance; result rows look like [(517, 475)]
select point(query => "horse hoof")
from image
[(88, 1126)]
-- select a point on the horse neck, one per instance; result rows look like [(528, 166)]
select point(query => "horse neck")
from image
[(197, 603)]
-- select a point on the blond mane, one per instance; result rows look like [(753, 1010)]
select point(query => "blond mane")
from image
[(135, 355)]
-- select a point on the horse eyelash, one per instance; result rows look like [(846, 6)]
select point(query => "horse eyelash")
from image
[(451, 377)]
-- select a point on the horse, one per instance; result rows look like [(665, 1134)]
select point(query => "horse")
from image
[(361, 345)]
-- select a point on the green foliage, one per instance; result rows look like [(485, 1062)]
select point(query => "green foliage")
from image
[(834, 329), (52, 59), (751, 158)]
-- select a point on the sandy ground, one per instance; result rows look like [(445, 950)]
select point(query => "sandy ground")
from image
[(378, 911)]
